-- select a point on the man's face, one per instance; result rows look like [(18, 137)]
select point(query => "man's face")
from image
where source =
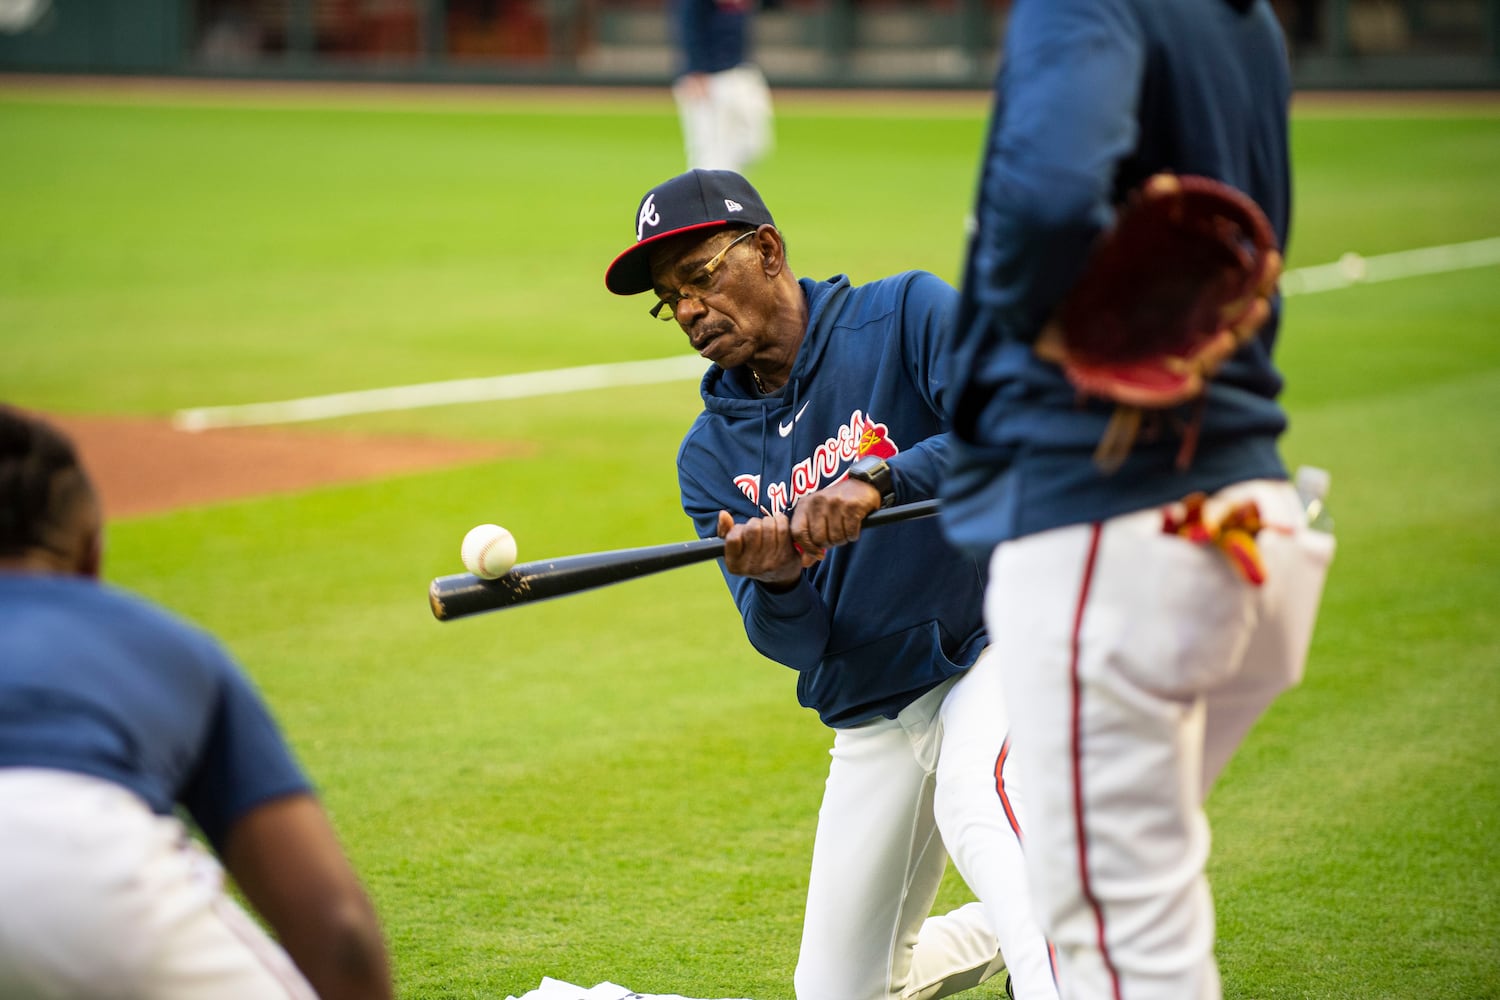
[(721, 303)]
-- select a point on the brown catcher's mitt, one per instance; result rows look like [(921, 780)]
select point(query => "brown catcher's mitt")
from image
[(1171, 291)]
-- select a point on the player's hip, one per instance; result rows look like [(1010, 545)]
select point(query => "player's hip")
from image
[(1170, 597), (880, 677)]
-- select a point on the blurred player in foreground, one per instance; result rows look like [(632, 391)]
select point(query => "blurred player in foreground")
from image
[(1136, 653), (826, 402), (112, 713), (722, 97)]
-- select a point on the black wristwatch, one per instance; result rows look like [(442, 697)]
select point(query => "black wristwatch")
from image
[(874, 471)]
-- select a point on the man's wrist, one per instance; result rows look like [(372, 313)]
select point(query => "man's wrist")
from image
[(877, 473), (780, 586)]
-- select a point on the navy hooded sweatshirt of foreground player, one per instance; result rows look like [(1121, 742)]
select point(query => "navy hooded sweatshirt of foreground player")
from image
[(880, 621), (1189, 86)]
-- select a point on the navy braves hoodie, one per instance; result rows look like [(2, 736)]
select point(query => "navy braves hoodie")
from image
[(878, 622)]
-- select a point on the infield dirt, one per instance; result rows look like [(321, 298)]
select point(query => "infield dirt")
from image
[(145, 466)]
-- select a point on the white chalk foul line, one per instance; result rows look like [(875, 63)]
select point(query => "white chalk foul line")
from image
[(1350, 269), (464, 390)]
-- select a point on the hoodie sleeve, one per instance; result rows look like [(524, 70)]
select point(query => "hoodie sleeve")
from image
[(927, 317), (1070, 94), (791, 628)]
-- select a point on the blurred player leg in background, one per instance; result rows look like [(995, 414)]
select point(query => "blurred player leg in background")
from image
[(726, 118), (722, 97)]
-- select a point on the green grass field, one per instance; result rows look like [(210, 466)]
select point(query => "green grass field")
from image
[(615, 786)]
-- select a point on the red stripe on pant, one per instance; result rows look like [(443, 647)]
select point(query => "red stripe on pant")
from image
[(1077, 723), (1010, 814), (1015, 825)]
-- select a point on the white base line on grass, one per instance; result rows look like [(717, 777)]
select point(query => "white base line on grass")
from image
[(464, 390), (1350, 269)]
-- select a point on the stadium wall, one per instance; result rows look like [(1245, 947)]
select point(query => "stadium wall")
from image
[(1336, 44)]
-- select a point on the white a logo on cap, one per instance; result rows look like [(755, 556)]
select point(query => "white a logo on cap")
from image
[(649, 216), (733, 205)]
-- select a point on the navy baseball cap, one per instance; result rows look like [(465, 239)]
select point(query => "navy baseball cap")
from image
[(697, 200)]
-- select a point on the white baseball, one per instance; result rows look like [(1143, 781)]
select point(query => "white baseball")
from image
[(489, 551)]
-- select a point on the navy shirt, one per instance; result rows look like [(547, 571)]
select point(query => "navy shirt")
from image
[(98, 681), (714, 35), (880, 621), (1093, 97)]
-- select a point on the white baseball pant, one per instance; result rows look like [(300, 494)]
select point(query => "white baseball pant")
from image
[(728, 127), (102, 899), (1134, 664), (901, 795)]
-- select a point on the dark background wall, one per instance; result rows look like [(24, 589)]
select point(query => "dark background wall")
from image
[(827, 43)]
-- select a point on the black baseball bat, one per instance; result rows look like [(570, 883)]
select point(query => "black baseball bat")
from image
[(465, 594)]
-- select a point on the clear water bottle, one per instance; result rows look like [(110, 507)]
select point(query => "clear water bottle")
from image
[(1312, 486)]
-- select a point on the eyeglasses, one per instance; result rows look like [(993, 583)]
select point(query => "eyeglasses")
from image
[(697, 286)]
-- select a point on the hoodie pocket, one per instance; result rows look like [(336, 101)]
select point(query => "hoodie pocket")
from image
[(884, 673)]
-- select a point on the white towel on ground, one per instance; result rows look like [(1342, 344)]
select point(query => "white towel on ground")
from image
[(556, 989)]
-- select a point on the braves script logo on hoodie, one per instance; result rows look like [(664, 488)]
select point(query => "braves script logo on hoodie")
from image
[(827, 464)]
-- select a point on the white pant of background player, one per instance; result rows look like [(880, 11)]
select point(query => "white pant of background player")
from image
[(902, 795), (101, 898), (1134, 664), (726, 118)]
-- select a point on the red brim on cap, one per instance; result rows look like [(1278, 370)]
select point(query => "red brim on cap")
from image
[(630, 272)]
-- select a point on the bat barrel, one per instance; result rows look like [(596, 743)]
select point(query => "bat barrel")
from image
[(465, 594)]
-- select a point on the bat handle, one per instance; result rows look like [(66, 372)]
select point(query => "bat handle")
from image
[(902, 512)]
